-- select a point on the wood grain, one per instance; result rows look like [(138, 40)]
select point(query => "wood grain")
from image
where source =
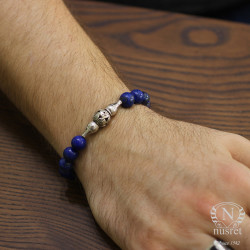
[(195, 70)]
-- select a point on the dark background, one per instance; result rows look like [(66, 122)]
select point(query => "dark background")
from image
[(234, 10)]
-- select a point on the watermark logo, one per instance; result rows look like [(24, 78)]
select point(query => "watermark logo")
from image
[(227, 217)]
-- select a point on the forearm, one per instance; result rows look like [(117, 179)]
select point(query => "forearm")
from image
[(51, 69), (145, 175)]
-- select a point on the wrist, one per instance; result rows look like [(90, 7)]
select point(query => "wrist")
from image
[(114, 144)]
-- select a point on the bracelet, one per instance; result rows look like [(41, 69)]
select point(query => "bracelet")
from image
[(100, 119)]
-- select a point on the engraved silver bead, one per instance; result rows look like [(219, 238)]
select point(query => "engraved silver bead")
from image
[(101, 117), (112, 108), (91, 128)]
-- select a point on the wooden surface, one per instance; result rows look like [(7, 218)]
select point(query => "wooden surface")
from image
[(195, 70)]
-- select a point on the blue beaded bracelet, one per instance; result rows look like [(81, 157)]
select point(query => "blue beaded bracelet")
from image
[(100, 119)]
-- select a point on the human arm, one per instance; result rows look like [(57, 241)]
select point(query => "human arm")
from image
[(147, 138)]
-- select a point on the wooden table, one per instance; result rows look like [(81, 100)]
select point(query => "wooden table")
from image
[(195, 70)]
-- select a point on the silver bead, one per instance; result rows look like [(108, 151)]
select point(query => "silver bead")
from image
[(91, 128), (112, 108), (102, 117)]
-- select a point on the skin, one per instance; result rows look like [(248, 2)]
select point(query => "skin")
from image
[(150, 181)]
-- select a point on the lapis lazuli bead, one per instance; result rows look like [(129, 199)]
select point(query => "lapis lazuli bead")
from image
[(62, 163), (146, 98), (69, 175), (127, 100), (148, 104), (138, 95), (70, 154), (66, 169), (78, 143)]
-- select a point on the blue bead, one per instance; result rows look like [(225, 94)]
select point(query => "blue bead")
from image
[(78, 143), (146, 98), (138, 95), (62, 163), (69, 175), (127, 100), (66, 169), (69, 154)]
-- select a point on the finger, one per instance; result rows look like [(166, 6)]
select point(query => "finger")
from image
[(169, 239), (239, 148), (234, 184), (196, 242), (235, 227), (237, 238)]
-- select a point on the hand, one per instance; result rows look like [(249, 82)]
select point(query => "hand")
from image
[(151, 181)]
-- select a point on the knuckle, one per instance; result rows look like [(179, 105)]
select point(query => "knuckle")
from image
[(232, 138), (151, 238), (237, 137)]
